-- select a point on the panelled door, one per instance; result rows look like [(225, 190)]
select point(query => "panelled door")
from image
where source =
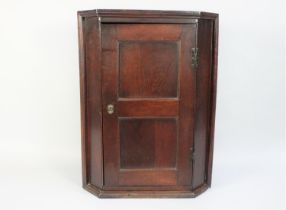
[(148, 93)]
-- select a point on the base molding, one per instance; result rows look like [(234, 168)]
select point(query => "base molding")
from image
[(145, 193)]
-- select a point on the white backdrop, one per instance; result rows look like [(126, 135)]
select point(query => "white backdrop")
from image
[(40, 166)]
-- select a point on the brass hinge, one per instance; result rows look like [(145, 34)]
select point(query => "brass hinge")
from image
[(192, 154), (195, 57)]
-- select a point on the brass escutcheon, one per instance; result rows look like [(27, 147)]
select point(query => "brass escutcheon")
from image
[(110, 108)]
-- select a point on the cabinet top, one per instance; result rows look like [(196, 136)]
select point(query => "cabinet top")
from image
[(114, 13)]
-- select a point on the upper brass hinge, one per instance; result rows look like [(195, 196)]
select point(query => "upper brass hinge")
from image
[(195, 57)]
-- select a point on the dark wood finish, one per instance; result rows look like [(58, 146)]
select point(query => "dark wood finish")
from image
[(202, 103), (159, 140), (140, 62), (148, 143), (149, 107), (152, 56), (91, 113)]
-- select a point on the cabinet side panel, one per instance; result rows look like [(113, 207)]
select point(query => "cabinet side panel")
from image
[(213, 97), (93, 112), (201, 136), (82, 77)]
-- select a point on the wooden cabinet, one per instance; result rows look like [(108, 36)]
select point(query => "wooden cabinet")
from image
[(148, 91)]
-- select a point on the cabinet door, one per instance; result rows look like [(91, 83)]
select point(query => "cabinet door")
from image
[(148, 94)]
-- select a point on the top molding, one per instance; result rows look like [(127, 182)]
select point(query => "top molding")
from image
[(112, 15)]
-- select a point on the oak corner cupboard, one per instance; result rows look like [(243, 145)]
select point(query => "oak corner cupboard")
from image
[(148, 95)]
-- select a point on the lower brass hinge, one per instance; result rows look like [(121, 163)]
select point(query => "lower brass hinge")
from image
[(192, 154), (195, 57)]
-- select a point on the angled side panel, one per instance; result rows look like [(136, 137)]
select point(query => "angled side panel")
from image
[(90, 78), (82, 77), (203, 105), (213, 97)]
